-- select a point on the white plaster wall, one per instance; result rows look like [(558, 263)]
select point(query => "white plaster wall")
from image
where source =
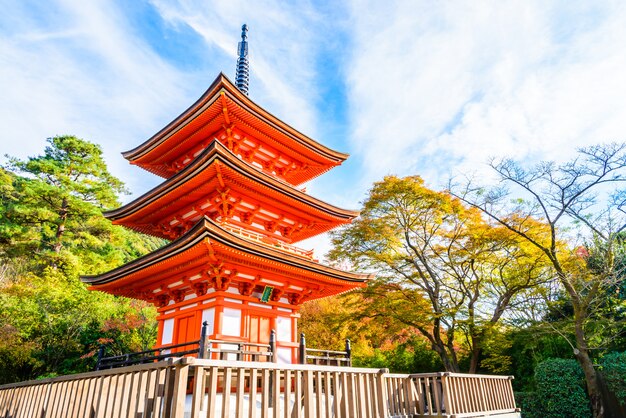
[(284, 355), (208, 315), (231, 322), (168, 331), (283, 328)]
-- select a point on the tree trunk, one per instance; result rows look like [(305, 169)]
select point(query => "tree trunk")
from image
[(449, 362), (475, 358), (591, 378), (61, 227)]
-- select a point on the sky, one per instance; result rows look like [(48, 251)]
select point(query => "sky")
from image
[(433, 88)]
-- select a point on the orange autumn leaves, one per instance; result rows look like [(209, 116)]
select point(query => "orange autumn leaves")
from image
[(442, 267)]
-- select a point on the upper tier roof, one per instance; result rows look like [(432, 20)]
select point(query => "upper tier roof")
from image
[(210, 255), (219, 184), (226, 114)]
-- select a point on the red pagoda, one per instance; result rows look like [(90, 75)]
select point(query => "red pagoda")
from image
[(231, 206)]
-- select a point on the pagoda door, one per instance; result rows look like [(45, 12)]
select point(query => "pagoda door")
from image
[(184, 331), (259, 332)]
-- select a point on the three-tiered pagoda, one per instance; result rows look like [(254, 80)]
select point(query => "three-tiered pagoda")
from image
[(231, 206)]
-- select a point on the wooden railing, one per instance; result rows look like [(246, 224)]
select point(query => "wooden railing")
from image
[(199, 388), (202, 348), (308, 355), (148, 356), (224, 350), (137, 391), (450, 395), (270, 241), (286, 391)]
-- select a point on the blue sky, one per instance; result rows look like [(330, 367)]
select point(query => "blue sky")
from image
[(407, 87)]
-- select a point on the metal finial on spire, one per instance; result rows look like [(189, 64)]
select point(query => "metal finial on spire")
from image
[(243, 71)]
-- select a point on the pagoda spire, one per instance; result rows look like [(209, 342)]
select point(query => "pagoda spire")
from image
[(243, 71)]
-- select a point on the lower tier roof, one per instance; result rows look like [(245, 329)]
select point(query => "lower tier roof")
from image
[(209, 256)]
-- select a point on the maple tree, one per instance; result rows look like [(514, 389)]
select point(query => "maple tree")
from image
[(581, 202), (442, 269)]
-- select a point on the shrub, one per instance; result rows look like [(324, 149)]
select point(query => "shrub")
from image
[(561, 389), (529, 403), (614, 373)]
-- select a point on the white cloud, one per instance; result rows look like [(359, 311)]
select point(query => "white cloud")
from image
[(282, 49), (82, 71), (437, 88), (434, 88)]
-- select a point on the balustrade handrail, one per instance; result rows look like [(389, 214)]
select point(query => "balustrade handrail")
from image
[(316, 350), (270, 241), (138, 353), (263, 365), (281, 390), (481, 376), (205, 347)]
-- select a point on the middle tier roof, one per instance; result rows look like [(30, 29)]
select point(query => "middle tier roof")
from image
[(220, 185)]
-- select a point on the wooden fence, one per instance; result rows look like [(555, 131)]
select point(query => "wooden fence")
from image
[(199, 388), (223, 350), (450, 395), (135, 391)]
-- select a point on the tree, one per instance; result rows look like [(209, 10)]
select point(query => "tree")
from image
[(377, 342), (441, 268), (578, 200), (51, 231), (64, 187)]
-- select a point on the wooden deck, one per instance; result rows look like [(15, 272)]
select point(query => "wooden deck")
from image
[(198, 388)]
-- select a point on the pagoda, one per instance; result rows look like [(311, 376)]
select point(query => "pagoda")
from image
[(231, 205)]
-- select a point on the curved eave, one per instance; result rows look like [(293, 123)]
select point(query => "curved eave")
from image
[(216, 152), (222, 83), (209, 231)]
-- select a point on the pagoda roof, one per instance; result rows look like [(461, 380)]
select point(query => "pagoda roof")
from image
[(223, 108), (217, 180), (206, 245)]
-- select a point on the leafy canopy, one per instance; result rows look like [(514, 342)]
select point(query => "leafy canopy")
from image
[(51, 231), (441, 268)]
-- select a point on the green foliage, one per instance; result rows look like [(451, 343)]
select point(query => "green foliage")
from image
[(52, 231), (412, 355), (561, 390), (57, 205), (17, 354), (496, 358), (529, 403), (377, 342), (614, 373), (529, 347), (442, 269)]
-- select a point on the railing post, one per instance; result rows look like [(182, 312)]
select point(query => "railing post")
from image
[(349, 352), (202, 348), (181, 374), (273, 346), (448, 407), (100, 356), (273, 372), (302, 349), (384, 407)]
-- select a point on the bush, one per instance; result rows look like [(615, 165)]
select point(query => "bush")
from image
[(412, 356), (561, 390), (529, 403), (614, 374)]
